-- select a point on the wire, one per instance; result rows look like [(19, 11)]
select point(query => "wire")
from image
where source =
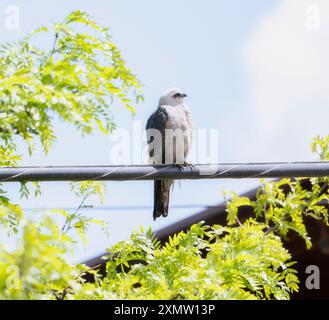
[(128, 208), (138, 172)]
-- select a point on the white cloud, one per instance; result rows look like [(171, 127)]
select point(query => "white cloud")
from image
[(287, 64)]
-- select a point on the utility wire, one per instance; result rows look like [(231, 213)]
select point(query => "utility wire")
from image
[(120, 208), (133, 172)]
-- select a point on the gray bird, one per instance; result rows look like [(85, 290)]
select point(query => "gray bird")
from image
[(169, 136)]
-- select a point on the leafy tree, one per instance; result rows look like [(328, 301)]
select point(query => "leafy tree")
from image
[(77, 80)]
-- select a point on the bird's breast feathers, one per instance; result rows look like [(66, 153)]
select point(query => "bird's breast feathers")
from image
[(178, 117), (178, 143)]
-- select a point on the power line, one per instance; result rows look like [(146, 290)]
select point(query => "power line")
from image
[(138, 172), (119, 208)]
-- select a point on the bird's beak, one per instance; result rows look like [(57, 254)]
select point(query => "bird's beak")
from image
[(183, 95)]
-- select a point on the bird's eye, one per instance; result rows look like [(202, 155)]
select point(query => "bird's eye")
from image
[(176, 95)]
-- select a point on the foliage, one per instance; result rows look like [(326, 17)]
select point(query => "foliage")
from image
[(37, 267), (77, 79), (204, 263)]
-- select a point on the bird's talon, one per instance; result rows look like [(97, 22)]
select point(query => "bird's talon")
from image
[(182, 166), (189, 165)]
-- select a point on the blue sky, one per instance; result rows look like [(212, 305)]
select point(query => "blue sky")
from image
[(252, 69)]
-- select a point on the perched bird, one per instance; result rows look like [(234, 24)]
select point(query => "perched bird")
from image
[(169, 136)]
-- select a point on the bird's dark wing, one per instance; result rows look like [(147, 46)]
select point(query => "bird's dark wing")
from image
[(158, 120)]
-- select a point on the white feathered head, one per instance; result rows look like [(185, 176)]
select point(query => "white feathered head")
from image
[(172, 97)]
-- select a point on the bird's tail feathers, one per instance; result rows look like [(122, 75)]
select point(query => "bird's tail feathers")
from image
[(161, 198)]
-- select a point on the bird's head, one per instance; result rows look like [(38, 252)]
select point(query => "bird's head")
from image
[(172, 97)]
